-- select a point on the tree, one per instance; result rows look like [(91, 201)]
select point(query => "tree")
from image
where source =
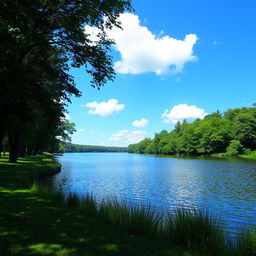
[(234, 149), (232, 132), (40, 41), (245, 130)]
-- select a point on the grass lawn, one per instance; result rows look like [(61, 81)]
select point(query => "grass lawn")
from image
[(33, 224)]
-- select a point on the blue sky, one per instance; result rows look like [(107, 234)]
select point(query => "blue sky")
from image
[(174, 60)]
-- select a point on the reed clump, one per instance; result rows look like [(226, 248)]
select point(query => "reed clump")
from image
[(135, 219), (246, 242), (194, 229)]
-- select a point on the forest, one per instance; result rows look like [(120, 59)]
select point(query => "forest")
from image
[(70, 147), (232, 133)]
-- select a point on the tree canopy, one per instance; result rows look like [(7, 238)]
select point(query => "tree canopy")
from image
[(233, 132), (40, 41), (73, 148)]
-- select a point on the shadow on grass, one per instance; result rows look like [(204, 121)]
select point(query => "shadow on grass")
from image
[(33, 225)]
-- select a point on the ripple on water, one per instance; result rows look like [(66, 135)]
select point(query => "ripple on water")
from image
[(225, 188)]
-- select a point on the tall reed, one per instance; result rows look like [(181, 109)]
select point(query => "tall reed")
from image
[(246, 243), (191, 228), (135, 219), (195, 228)]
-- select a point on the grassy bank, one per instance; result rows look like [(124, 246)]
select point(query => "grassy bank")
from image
[(251, 155), (34, 221)]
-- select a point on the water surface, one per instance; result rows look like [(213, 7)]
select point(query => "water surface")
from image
[(225, 188)]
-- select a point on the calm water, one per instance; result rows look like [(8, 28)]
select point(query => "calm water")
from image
[(226, 188)]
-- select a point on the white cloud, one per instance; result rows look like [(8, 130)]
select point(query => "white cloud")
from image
[(181, 112), (140, 123), (142, 51), (126, 137), (104, 108)]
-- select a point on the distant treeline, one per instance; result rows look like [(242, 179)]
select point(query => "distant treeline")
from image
[(69, 147), (232, 133)]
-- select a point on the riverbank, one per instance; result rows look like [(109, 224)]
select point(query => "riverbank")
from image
[(36, 222), (248, 156)]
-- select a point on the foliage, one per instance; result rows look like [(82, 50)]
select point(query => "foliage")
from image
[(40, 41), (235, 148), (70, 147), (234, 131)]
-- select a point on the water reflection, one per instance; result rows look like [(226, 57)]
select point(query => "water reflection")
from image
[(226, 188)]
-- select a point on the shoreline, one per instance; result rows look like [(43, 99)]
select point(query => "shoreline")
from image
[(215, 156)]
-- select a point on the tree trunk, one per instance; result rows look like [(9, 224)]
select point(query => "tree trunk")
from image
[(1, 146), (4, 148), (14, 147), (1, 137), (22, 150), (29, 150), (36, 150)]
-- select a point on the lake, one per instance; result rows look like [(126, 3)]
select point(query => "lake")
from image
[(225, 188)]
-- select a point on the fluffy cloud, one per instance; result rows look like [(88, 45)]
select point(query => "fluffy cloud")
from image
[(142, 51), (181, 112), (126, 137), (104, 108), (140, 123)]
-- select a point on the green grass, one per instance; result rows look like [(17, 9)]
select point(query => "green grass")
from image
[(35, 221), (197, 229), (247, 243), (250, 155)]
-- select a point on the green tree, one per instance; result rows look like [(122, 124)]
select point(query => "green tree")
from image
[(40, 41), (245, 130), (151, 148), (234, 149)]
